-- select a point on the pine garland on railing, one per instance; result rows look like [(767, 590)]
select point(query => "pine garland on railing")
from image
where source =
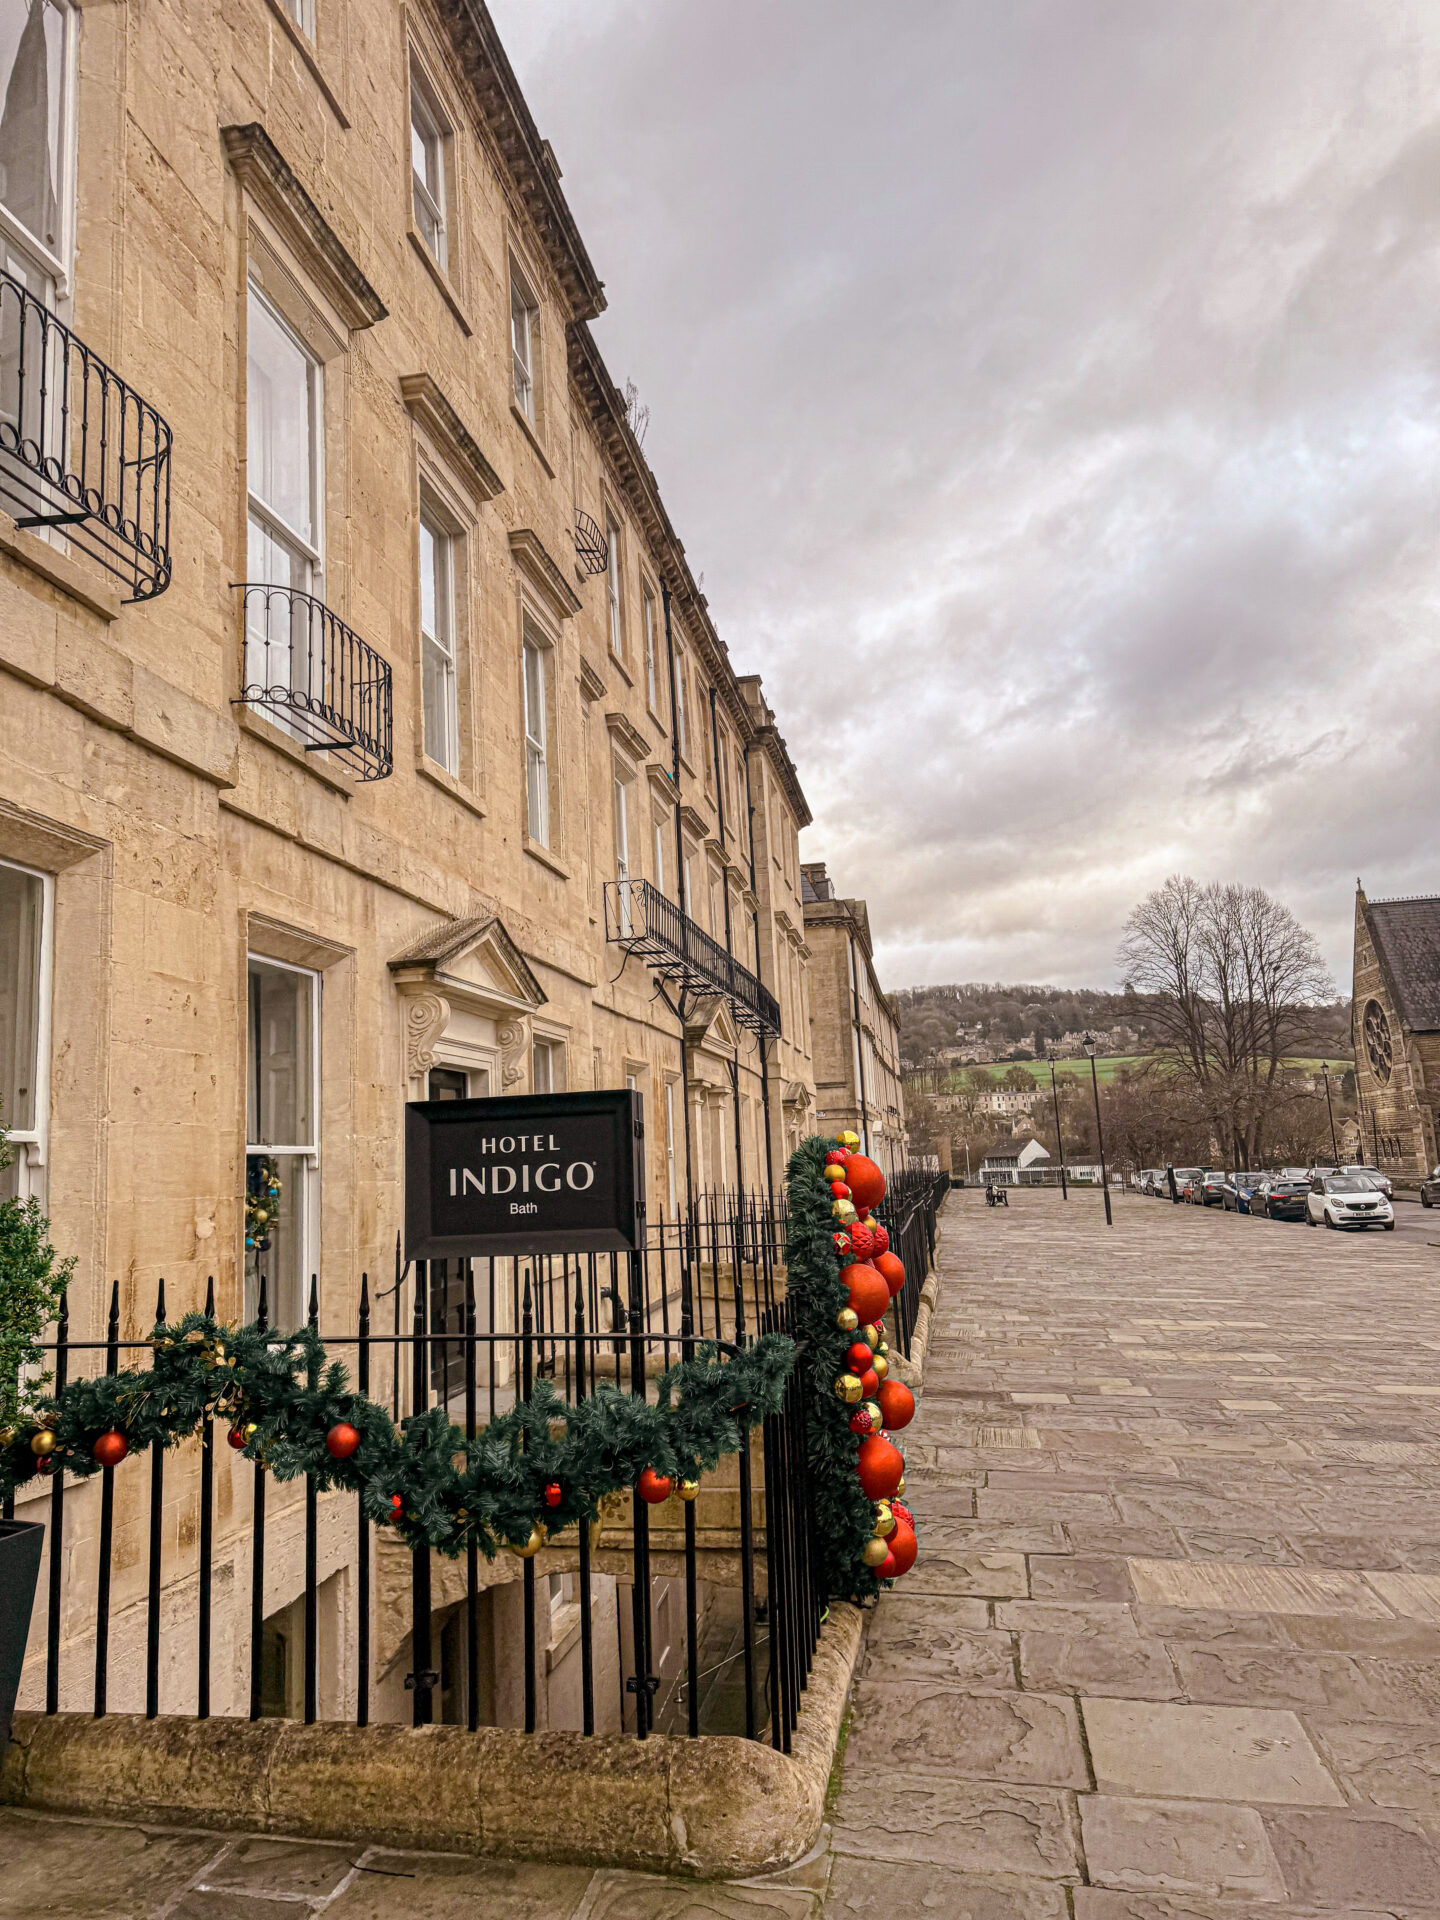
[(864, 1536), (542, 1467)]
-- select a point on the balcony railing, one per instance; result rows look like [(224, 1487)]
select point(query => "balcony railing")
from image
[(316, 678), (591, 549), (80, 452), (639, 918)]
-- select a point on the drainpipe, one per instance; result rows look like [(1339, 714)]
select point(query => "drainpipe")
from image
[(729, 945)]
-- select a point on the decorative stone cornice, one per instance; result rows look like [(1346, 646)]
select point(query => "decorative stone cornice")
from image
[(627, 736), (514, 1038), (271, 183), (428, 406), (533, 561), (529, 158), (426, 1018), (591, 685)]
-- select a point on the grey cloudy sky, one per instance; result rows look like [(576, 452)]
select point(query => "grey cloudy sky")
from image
[(1047, 390)]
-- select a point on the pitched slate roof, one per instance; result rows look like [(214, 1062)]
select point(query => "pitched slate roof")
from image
[(1407, 941)]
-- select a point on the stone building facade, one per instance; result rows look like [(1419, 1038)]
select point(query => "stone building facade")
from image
[(854, 1028), (378, 822), (1395, 1016)]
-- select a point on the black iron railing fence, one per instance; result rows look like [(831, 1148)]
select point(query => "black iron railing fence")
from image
[(645, 922), (81, 452), (317, 678), (470, 1335)]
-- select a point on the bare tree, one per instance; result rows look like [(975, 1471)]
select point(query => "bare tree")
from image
[(1230, 979)]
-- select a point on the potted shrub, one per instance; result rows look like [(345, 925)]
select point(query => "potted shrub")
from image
[(32, 1283)]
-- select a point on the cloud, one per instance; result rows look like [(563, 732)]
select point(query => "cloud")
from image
[(1049, 395)]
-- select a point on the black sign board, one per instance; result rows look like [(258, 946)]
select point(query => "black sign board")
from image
[(527, 1173)]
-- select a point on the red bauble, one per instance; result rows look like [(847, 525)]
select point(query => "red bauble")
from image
[(902, 1512), (903, 1548), (839, 1190), (869, 1294), (869, 1384), (654, 1487), (882, 1238), (861, 1422), (888, 1567), (842, 1244), (110, 1449), (553, 1495), (859, 1357), (881, 1467), (835, 1158), (865, 1180), (342, 1440), (236, 1437), (396, 1505), (891, 1270), (862, 1240), (897, 1403)]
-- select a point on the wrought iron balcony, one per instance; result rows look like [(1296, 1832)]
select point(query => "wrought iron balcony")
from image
[(316, 678), (80, 451), (639, 918), (591, 549)]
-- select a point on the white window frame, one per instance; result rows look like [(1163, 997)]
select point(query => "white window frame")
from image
[(660, 826), (670, 1142), (535, 709), (427, 202), (615, 583), (302, 12), (310, 552), (647, 616), (682, 731), (302, 1156), (441, 644), (524, 338), (21, 249), (30, 1144), (550, 1049)]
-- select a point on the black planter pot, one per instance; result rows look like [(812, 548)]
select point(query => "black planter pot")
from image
[(20, 1544)]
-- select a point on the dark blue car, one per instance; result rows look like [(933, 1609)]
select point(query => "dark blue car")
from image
[(1235, 1195)]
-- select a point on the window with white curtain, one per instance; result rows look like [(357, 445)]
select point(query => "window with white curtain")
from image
[(670, 1142), (437, 642), (524, 330), (537, 737), (38, 42), (547, 1067), (26, 918), (652, 649), (284, 475), (428, 133), (282, 1145), (660, 824), (614, 585)]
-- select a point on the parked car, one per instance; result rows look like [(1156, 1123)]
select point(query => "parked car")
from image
[(1280, 1196), (1430, 1189), (1236, 1192), (1348, 1200), (1209, 1189), (1381, 1180), (1185, 1178)]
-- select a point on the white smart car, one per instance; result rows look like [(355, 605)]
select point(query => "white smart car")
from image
[(1348, 1200)]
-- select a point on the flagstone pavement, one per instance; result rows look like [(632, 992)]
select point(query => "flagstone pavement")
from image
[(1171, 1650)]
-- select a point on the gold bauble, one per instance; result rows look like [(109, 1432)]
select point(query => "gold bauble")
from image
[(843, 1209), (877, 1418), (689, 1489), (250, 1429), (880, 1365), (884, 1524), (847, 1319), (871, 1336), (900, 1484), (873, 1552), (532, 1546), (849, 1389), (43, 1442)]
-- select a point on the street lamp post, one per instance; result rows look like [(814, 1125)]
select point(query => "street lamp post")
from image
[(1330, 1109), (1059, 1139), (1099, 1129)]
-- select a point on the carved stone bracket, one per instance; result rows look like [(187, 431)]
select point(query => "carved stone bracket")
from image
[(426, 1018), (514, 1038)]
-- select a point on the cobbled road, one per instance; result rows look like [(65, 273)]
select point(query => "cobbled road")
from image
[(1172, 1646)]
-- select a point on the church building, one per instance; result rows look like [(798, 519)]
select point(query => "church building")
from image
[(1395, 1019)]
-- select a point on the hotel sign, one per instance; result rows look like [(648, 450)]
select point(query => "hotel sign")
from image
[(528, 1173)]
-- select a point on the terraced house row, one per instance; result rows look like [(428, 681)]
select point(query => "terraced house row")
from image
[(364, 735)]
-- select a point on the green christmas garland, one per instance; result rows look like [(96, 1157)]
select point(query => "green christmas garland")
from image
[(844, 1513), (546, 1464)]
